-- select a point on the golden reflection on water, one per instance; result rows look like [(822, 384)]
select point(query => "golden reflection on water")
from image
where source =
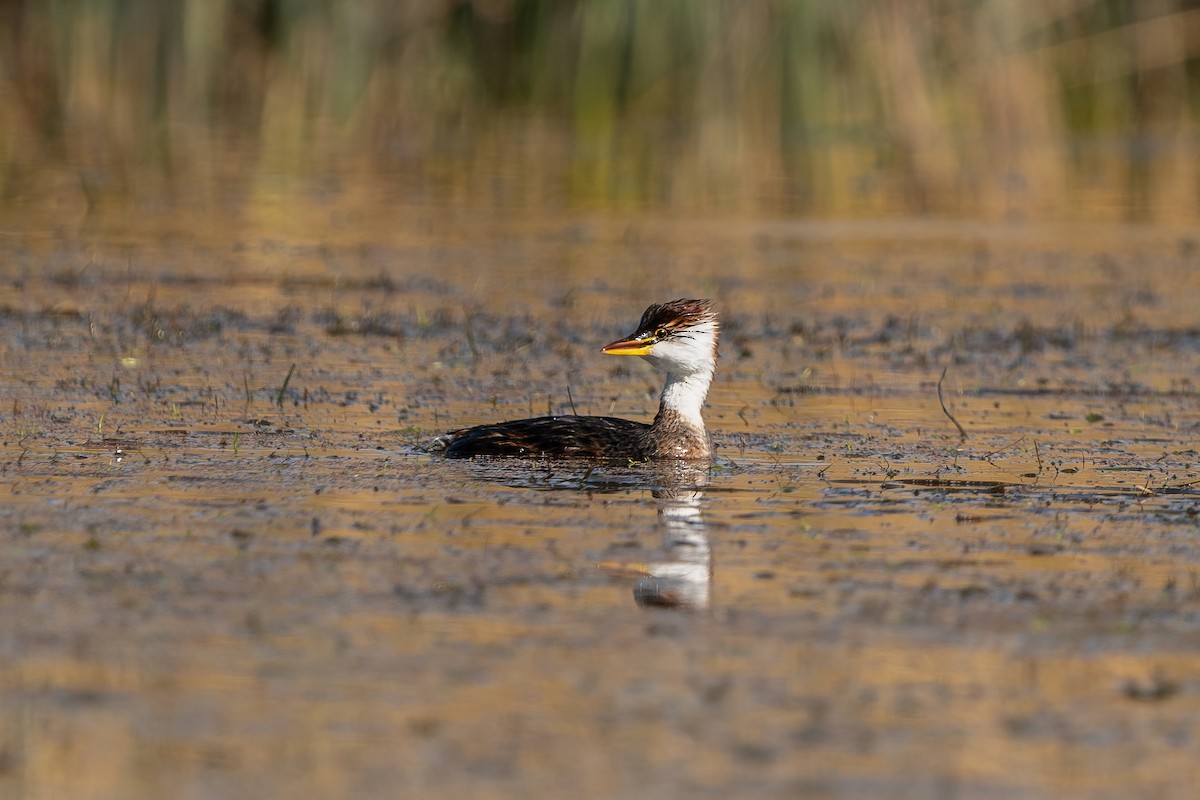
[(273, 587)]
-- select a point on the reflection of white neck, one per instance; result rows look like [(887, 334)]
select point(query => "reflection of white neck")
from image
[(684, 577)]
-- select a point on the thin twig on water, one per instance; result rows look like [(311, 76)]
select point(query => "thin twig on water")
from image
[(997, 451), (961, 431)]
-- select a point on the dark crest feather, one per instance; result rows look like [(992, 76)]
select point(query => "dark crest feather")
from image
[(676, 314)]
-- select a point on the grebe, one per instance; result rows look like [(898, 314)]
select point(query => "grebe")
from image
[(680, 338)]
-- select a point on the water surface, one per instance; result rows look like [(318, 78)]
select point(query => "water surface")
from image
[(230, 569)]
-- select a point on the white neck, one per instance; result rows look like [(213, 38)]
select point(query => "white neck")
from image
[(684, 395)]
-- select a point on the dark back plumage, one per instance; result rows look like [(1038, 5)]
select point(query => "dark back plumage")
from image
[(566, 436)]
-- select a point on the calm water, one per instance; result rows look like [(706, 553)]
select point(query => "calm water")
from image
[(229, 569)]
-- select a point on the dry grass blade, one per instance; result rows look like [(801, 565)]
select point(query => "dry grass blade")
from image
[(961, 431)]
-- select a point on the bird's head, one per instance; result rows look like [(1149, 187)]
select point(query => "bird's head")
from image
[(679, 337)]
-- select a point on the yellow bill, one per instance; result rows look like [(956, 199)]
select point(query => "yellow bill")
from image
[(629, 347)]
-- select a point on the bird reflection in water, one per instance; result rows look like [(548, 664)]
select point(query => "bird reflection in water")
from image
[(682, 576)]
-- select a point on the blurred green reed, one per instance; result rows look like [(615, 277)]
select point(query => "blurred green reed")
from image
[(993, 108)]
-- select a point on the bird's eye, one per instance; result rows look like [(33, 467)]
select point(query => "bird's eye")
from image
[(660, 333)]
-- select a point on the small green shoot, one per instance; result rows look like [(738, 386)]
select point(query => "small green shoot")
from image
[(283, 389)]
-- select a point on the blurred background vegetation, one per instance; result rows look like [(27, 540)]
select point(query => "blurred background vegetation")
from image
[(995, 109)]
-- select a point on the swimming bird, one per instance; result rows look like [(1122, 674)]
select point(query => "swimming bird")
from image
[(679, 338)]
